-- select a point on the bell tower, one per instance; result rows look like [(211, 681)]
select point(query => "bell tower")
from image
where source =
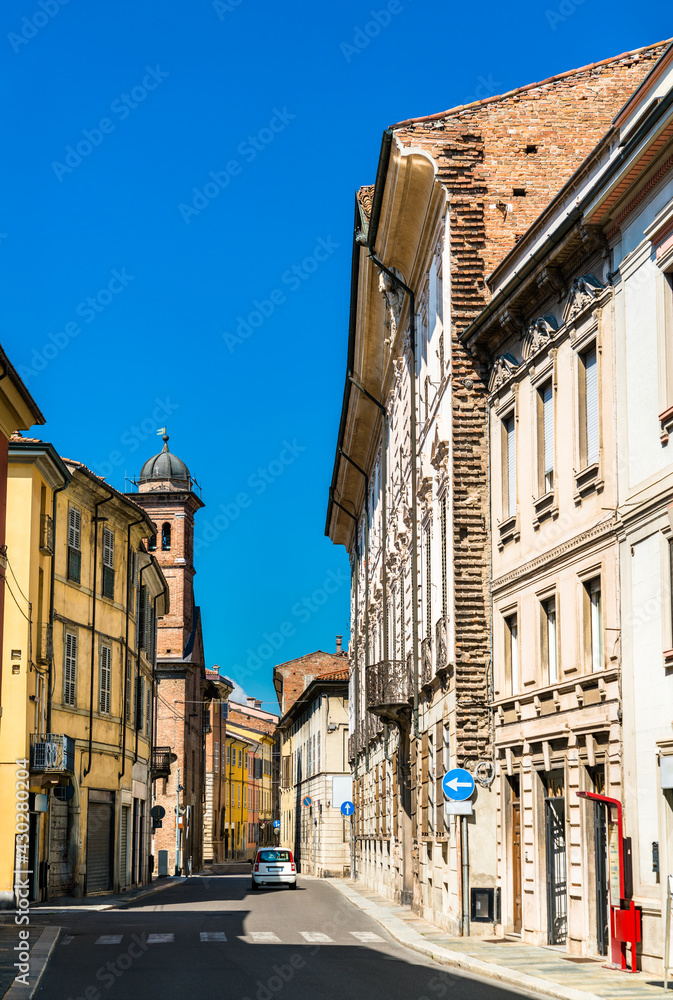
[(166, 492)]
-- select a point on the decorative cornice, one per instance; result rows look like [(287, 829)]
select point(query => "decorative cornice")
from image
[(572, 546), (645, 190)]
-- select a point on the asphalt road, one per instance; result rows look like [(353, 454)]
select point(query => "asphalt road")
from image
[(212, 936)]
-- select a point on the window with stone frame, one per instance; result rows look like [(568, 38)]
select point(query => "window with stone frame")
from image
[(508, 452), (545, 438), (549, 640), (105, 679), (592, 625), (588, 408), (512, 664)]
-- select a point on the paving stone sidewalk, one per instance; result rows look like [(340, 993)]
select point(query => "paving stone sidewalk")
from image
[(542, 970)]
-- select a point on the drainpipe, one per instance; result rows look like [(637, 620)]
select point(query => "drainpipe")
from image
[(95, 519), (140, 583), (412, 434), (126, 639), (50, 673)]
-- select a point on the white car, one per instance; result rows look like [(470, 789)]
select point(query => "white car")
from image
[(274, 866)]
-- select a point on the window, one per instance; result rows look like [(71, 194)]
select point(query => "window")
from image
[(165, 537), (546, 438), (140, 702), (431, 783), (129, 689), (509, 466), (152, 544), (512, 653), (216, 757), (148, 707), (239, 757), (593, 625), (105, 679), (245, 797), (228, 755), (589, 442), (428, 583), (445, 585), (550, 640), (108, 564), (70, 670), (74, 544), (245, 759)]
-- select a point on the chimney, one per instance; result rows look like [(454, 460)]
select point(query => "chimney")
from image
[(338, 642), (258, 703), (250, 701)]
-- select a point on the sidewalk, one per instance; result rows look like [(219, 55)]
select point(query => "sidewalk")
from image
[(107, 901), (540, 970)]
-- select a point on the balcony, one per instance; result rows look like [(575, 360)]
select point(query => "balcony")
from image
[(389, 689), (52, 754), (47, 535), (45, 643), (162, 758)]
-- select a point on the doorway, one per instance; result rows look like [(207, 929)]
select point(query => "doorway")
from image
[(515, 850), (597, 778), (557, 877)]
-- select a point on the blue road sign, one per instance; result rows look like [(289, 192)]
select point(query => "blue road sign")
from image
[(276, 824), (347, 808), (307, 801), (458, 784)]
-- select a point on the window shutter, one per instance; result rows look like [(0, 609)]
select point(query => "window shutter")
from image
[(129, 689), (139, 703), (105, 676), (548, 422), (148, 708), (70, 673), (511, 465), (591, 396), (108, 547), (74, 527)]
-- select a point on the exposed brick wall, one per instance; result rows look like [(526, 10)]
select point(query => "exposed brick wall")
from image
[(531, 141), (298, 674)]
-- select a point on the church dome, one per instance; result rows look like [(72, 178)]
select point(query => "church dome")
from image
[(164, 466)]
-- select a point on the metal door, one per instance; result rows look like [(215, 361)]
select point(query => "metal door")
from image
[(99, 847), (600, 840), (557, 879), (124, 848), (516, 864), (60, 871)]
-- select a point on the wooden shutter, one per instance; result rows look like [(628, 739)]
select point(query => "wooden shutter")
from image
[(424, 783), (148, 707), (70, 670), (105, 679), (139, 703), (591, 402), (548, 428), (74, 528), (510, 428), (129, 689), (108, 547)]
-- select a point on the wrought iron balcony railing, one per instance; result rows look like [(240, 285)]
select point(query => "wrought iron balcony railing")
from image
[(162, 758), (52, 753), (389, 688)]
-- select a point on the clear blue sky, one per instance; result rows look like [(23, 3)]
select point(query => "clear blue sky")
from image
[(285, 105)]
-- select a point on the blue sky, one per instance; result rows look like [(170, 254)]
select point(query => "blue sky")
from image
[(176, 235)]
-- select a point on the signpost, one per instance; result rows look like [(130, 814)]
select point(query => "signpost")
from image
[(276, 824), (347, 808), (458, 784)]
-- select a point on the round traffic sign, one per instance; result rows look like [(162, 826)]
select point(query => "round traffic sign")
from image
[(157, 812), (347, 808), (276, 824), (307, 801), (458, 784)]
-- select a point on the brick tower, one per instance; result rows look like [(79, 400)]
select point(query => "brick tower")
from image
[(166, 492)]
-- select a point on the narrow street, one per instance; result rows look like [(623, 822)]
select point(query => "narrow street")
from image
[(213, 934)]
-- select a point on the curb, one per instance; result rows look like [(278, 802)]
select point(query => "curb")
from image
[(40, 954), (410, 938), (122, 904)]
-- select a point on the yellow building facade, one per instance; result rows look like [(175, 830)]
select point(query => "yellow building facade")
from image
[(78, 676)]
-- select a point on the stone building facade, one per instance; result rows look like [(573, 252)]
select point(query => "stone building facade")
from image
[(409, 497), (215, 812)]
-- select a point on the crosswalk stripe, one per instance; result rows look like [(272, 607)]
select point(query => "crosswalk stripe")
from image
[(160, 938), (366, 936), (109, 939), (213, 936), (264, 937), (316, 937)]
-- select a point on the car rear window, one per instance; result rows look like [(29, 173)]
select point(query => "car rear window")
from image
[(266, 856)]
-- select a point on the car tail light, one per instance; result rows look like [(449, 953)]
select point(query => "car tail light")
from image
[(257, 867), (292, 867)]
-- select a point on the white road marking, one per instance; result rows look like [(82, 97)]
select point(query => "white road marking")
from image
[(67, 939), (109, 939), (213, 936), (366, 936), (160, 938), (264, 937), (316, 937)]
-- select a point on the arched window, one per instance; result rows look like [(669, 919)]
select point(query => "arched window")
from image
[(165, 536), (152, 544)]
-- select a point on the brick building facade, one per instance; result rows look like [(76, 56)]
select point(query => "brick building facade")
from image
[(409, 494)]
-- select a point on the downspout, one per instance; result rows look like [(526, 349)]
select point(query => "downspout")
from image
[(412, 434), (94, 522), (140, 583), (126, 640), (50, 673)]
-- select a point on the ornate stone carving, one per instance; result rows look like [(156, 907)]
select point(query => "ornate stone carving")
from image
[(549, 278), (439, 456), (504, 367), (538, 334), (394, 297), (583, 291), (510, 322)]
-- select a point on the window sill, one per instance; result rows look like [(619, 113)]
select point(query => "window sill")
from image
[(508, 531), (587, 481), (544, 507)]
